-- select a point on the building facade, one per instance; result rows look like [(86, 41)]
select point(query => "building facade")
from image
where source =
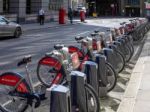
[(117, 7), (27, 10), (133, 7)]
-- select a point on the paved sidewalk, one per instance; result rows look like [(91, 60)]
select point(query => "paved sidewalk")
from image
[(137, 94), (36, 26)]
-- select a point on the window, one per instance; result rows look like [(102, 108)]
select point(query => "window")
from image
[(133, 2), (28, 6), (55, 4), (5, 6)]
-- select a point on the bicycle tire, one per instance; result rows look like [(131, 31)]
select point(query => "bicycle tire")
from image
[(131, 48), (10, 101), (121, 60), (46, 77), (90, 93), (111, 73), (16, 104), (128, 53)]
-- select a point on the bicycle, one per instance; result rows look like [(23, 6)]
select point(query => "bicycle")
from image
[(86, 53), (100, 43), (124, 46), (54, 69), (16, 94)]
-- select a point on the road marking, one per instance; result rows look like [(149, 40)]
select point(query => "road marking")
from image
[(136, 51)]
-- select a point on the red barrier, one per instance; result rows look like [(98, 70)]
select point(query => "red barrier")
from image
[(82, 16), (62, 14)]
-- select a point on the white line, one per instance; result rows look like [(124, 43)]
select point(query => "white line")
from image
[(136, 51), (7, 103)]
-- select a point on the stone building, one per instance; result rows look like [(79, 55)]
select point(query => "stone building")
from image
[(118, 7), (132, 7), (27, 10)]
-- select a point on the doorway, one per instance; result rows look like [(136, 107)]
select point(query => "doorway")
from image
[(133, 12)]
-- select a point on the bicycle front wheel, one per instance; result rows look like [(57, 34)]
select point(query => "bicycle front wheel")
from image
[(93, 103), (121, 61), (9, 102), (111, 77), (128, 53), (48, 76)]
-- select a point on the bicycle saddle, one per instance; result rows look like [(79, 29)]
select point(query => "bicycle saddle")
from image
[(93, 34), (78, 38), (49, 54), (58, 46), (123, 23), (96, 31), (131, 20), (25, 60)]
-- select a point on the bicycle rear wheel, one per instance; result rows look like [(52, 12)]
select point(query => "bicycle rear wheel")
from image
[(111, 77), (93, 103), (49, 71), (11, 103)]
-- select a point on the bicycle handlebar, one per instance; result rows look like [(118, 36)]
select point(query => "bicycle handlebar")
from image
[(25, 60)]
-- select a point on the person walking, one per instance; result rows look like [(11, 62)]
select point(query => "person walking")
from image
[(70, 15), (41, 16)]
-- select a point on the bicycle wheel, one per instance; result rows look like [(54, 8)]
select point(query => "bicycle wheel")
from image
[(93, 103), (121, 61), (13, 88), (128, 53), (10, 103), (111, 77), (49, 71), (131, 48)]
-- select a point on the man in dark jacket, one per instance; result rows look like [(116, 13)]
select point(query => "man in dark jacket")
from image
[(70, 15)]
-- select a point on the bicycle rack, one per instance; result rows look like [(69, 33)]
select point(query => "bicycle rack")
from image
[(90, 69), (101, 61), (78, 93), (60, 100)]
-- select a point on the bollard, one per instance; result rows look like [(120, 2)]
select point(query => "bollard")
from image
[(90, 69), (78, 94), (118, 44), (109, 53), (60, 100), (115, 59), (102, 76)]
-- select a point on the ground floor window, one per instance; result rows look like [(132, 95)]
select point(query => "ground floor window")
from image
[(28, 6), (6, 6), (55, 4)]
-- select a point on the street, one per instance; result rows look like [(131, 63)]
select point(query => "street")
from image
[(38, 42)]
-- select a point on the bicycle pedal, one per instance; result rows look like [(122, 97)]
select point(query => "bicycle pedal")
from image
[(42, 96)]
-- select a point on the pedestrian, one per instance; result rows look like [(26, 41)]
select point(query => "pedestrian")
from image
[(41, 16), (70, 15)]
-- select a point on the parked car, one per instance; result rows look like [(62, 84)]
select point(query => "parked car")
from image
[(8, 28), (78, 9), (81, 8)]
